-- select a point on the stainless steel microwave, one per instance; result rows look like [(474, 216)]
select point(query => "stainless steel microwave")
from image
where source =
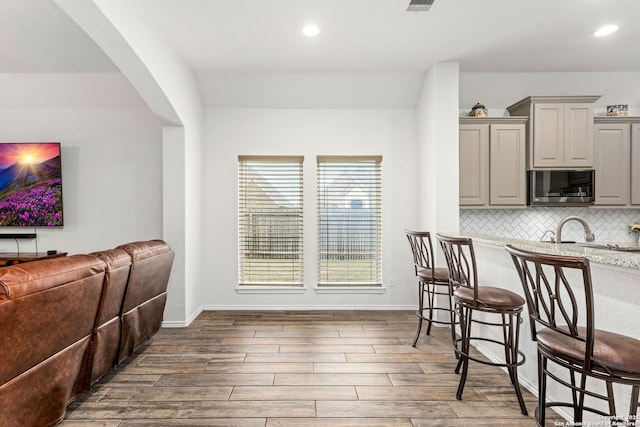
[(561, 187)]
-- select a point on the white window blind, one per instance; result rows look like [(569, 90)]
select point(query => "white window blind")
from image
[(349, 220), (270, 220)]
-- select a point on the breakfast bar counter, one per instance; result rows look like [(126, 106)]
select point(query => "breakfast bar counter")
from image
[(629, 258)]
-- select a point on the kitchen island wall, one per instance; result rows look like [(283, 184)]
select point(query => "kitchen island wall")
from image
[(608, 225), (616, 301)]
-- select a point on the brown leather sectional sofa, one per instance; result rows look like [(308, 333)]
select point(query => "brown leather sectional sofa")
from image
[(66, 322)]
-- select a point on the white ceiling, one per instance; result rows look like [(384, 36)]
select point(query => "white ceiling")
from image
[(380, 35), (245, 52)]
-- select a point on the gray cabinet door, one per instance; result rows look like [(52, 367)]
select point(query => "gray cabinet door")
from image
[(612, 146), (578, 135), (507, 176), (635, 164), (548, 135), (474, 163)]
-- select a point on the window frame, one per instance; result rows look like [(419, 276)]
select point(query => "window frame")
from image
[(369, 169), (289, 224)]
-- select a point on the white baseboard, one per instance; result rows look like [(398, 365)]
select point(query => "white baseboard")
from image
[(182, 324), (307, 307)]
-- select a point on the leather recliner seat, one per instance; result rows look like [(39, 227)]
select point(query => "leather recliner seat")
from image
[(47, 312)]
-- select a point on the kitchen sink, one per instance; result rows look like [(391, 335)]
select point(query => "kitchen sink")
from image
[(593, 245), (609, 246)]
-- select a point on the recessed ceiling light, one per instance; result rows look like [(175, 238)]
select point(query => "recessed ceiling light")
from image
[(605, 31), (311, 30)]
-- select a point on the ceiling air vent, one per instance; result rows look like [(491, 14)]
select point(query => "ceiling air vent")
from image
[(419, 5)]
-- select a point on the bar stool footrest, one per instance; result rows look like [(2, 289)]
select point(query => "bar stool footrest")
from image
[(521, 356)]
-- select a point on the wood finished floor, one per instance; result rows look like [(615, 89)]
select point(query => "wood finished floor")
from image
[(293, 368)]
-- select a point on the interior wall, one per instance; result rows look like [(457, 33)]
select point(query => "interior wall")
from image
[(111, 175), (426, 185), (499, 90), (445, 148), (437, 152), (308, 132), (615, 292), (167, 84)]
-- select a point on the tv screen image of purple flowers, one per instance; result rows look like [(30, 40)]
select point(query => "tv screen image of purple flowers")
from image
[(30, 184)]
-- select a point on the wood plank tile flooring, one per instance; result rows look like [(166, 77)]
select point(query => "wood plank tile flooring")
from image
[(299, 368)]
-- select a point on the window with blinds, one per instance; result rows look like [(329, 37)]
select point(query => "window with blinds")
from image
[(349, 221), (270, 220)]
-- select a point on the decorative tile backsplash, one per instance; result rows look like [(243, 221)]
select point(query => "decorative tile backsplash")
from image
[(608, 225)]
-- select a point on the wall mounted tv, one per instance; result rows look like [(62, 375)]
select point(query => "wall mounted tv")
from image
[(30, 184)]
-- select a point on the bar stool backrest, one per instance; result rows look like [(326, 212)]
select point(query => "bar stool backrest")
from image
[(461, 260), (422, 250), (551, 300)]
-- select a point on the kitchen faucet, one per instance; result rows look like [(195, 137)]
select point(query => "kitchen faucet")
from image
[(552, 239), (588, 235)]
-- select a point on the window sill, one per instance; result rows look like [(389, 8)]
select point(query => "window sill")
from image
[(318, 290), (350, 290), (270, 290)]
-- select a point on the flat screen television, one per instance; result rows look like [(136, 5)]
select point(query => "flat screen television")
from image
[(30, 184)]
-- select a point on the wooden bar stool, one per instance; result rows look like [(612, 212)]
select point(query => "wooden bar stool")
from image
[(432, 281), (562, 322), (494, 302)]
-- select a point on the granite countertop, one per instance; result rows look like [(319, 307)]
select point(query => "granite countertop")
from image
[(596, 255)]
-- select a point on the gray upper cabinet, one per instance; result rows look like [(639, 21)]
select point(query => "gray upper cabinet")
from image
[(560, 131), (492, 162), (617, 160)]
